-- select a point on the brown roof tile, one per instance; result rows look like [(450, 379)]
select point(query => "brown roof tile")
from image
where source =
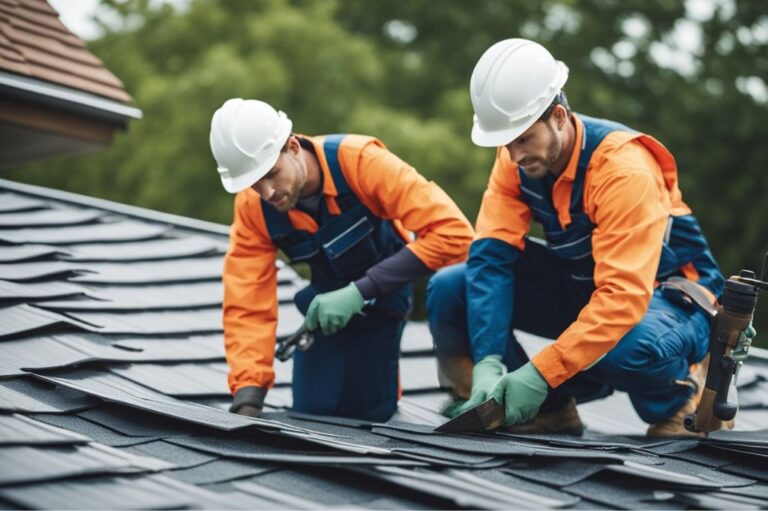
[(46, 32), (12, 65), (35, 5), (49, 45), (34, 42)]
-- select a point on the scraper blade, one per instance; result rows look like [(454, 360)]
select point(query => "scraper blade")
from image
[(484, 417)]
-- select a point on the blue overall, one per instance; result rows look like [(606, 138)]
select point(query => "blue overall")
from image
[(551, 281), (354, 372)]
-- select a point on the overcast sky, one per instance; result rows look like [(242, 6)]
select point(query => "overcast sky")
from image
[(76, 15)]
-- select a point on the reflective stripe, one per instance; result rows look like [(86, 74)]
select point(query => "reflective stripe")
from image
[(570, 244), (668, 230), (347, 231), (588, 253), (531, 192)]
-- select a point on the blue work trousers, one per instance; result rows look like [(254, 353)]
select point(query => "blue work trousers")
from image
[(352, 373), (645, 363)]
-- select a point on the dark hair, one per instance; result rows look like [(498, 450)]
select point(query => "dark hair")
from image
[(560, 99)]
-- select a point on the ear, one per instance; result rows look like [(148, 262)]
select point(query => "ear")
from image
[(293, 144), (561, 116)]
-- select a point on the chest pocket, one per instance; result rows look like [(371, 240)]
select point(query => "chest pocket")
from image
[(347, 243)]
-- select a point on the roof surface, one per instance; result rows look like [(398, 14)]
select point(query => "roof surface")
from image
[(113, 395), (35, 43)]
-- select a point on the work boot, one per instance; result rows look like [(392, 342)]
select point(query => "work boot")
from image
[(565, 421), (456, 373), (673, 427)]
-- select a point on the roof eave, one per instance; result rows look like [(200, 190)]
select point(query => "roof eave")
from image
[(66, 98)]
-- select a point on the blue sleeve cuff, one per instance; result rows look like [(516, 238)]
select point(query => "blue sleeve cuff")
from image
[(490, 296)]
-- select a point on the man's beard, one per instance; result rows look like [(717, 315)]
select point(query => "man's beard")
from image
[(553, 152), (289, 203), (292, 199)]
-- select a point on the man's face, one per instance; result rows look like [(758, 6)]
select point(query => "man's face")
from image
[(537, 149), (282, 185)]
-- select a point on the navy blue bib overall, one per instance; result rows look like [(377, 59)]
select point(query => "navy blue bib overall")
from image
[(554, 280), (683, 244), (352, 373)]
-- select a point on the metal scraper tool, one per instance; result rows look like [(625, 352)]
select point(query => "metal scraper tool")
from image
[(484, 417)]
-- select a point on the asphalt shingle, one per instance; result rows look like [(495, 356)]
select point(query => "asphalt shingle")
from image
[(129, 301)]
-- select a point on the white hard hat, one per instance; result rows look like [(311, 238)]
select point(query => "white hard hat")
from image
[(246, 139), (512, 85)]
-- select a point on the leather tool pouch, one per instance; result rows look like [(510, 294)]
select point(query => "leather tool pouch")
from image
[(689, 294)]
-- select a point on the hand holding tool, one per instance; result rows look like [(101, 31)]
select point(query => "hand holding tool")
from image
[(330, 312), (522, 392), (486, 416), (485, 374), (302, 339)]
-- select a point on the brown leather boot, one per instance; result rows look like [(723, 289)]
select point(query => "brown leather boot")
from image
[(673, 427), (564, 421), (456, 373)]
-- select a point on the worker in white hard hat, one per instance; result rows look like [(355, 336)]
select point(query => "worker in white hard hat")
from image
[(615, 227), (348, 207)]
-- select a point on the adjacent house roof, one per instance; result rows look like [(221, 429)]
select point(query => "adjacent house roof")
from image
[(35, 43), (113, 395), (56, 97)]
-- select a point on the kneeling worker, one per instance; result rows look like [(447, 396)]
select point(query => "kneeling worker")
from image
[(616, 226), (346, 206)]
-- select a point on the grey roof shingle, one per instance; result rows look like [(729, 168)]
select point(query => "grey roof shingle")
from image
[(112, 369), (26, 395), (21, 430), (125, 230)]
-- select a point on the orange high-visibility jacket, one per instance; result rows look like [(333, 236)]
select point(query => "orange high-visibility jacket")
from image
[(390, 188), (630, 191)]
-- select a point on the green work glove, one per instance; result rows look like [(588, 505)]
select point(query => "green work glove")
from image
[(521, 392), (332, 311), (741, 351), (485, 374)]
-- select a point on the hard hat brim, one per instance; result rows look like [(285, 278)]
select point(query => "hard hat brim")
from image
[(499, 138), (240, 183)]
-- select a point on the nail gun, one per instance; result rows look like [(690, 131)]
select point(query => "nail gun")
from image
[(734, 315)]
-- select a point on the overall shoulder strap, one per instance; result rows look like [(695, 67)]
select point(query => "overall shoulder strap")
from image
[(346, 198), (595, 130), (279, 225)]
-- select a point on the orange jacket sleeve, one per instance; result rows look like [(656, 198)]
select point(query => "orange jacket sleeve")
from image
[(626, 199), (503, 214), (250, 297), (393, 190)]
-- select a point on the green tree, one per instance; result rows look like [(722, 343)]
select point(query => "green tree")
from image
[(401, 70)]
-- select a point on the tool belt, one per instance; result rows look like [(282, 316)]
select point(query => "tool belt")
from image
[(686, 292)]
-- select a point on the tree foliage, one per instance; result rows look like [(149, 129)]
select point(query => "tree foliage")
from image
[(400, 71)]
